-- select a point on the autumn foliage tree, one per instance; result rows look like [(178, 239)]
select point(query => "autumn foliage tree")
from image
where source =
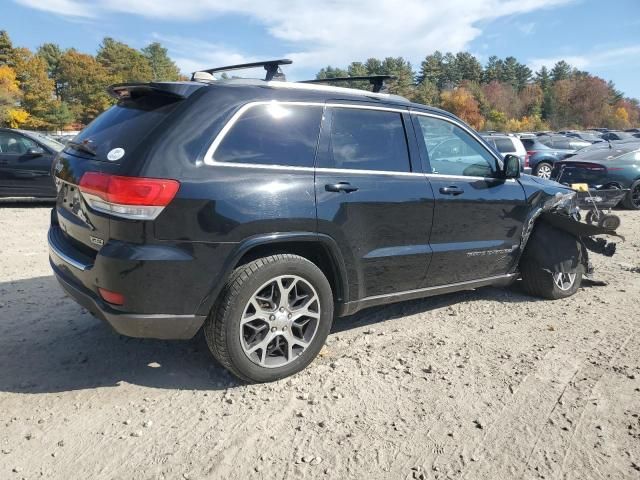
[(461, 103)]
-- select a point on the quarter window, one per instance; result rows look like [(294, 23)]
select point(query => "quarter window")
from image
[(363, 139), (273, 134), (452, 151), (504, 145)]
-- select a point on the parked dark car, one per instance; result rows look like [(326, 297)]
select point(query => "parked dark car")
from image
[(615, 166), (259, 210), (562, 142), (614, 135), (586, 136), (25, 164), (541, 157)]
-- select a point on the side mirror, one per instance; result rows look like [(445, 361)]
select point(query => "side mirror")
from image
[(511, 167), (35, 152)]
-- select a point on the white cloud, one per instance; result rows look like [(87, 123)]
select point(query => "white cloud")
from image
[(527, 28), (602, 57), (323, 31)]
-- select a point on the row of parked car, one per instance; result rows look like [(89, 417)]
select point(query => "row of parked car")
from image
[(601, 158)]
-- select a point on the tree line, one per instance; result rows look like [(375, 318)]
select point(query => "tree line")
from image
[(54, 88), (504, 94)]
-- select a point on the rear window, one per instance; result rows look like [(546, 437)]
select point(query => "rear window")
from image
[(273, 134), (504, 145), (125, 125)]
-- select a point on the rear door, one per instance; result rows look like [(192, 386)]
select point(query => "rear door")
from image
[(373, 199), (25, 167), (478, 217)]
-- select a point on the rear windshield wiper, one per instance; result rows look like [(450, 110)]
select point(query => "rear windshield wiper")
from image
[(82, 147)]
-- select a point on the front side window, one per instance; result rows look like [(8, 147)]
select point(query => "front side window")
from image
[(452, 151), (364, 139), (273, 134), (13, 144)]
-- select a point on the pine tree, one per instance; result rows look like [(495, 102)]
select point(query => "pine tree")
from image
[(123, 63), (163, 68), (561, 71), (6, 48)]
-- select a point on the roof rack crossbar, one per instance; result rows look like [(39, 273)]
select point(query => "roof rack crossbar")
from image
[(376, 80), (271, 66)]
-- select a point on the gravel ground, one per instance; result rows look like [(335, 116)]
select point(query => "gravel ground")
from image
[(490, 384)]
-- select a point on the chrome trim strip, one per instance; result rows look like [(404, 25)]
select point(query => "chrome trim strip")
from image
[(65, 258), (438, 287)]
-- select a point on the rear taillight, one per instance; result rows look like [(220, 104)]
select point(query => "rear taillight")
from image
[(526, 159), (128, 197)]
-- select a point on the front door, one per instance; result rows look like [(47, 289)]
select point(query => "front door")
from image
[(24, 167), (478, 217), (372, 199)]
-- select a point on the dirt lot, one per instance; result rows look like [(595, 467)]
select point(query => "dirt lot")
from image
[(488, 384)]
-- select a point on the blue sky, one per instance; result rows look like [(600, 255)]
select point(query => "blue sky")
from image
[(601, 37)]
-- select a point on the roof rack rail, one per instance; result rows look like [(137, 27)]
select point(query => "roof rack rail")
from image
[(271, 66), (376, 80)]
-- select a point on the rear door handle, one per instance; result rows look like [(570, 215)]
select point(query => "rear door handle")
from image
[(451, 190), (340, 187)]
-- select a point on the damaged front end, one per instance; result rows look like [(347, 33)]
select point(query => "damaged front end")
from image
[(553, 227)]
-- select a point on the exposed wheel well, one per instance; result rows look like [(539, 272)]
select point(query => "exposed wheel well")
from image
[(315, 252)]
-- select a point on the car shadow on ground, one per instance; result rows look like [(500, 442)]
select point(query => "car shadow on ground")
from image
[(50, 344)]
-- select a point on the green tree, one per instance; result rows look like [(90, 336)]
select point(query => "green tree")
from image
[(560, 71), (431, 69), (493, 71), (451, 75), (123, 63), (59, 115), (84, 81), (51, 54), (162, 67), (426, 93), (6, 48), (468, 66)]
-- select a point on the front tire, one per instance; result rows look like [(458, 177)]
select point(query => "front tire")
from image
[(272, 318), (552, 264)]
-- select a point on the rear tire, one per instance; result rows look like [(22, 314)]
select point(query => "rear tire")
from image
[(271, 319), (543, 170), (631, 200)]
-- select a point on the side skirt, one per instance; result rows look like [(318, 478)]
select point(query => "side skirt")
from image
[(497, 281)]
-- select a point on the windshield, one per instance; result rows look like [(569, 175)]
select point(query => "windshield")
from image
[(123, 126)]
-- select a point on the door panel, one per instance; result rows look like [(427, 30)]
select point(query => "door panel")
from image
[(476, 234), (371, 203), (22, 173), (478, 218)]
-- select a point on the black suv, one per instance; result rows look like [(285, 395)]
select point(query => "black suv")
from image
[(260, 209)]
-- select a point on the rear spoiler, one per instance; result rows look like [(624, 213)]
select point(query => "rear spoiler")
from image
[(177, 90)]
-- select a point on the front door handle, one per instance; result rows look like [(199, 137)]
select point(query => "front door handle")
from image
[(451, 190), (345, 187)]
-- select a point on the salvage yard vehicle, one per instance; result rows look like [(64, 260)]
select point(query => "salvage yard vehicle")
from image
[(605, 167), (259, 210), (541, 157), (25, 164)]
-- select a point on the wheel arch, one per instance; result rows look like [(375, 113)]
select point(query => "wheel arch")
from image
[(320, 249)]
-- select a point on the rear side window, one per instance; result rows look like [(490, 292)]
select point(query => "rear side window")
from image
[(364, 139), (504, 145), (561, 143), (273, 134), (528, 143), (125, 125)]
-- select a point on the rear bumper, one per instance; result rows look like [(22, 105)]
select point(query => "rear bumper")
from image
[(70, 270)]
